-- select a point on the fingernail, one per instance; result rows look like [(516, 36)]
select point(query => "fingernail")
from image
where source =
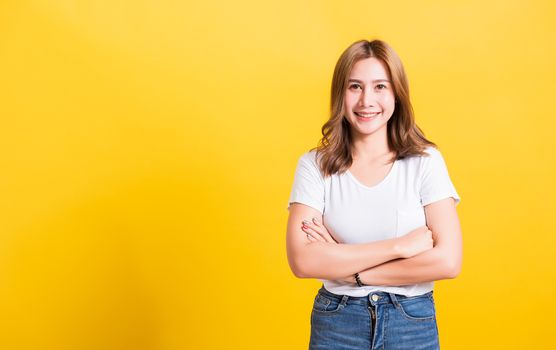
[(306, 222), (315, 220)]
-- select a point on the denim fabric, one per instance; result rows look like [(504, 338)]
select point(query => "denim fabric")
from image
[(380, 320)]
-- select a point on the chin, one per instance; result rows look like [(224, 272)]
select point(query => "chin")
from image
[(370, 130)]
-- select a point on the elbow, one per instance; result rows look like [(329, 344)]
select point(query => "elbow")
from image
[(302, 265), (450, 261), (453, 269), (301, 274), (298, 272), (298, 269), (305, 269)]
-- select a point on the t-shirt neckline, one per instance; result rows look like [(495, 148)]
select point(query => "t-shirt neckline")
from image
[(379, 184)]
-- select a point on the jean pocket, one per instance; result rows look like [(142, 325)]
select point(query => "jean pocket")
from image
[(326, 305), (419, 308), (409, 218)]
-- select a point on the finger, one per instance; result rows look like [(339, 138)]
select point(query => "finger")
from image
[(313, 233), (318, 231), (310, 237), (323, 230), (316, 221)]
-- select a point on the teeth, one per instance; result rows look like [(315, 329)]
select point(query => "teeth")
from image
[(366, 115)]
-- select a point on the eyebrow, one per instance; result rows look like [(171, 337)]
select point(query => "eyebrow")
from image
[(374, 81)]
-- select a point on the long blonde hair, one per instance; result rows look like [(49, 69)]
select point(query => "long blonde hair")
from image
[(405, 138)]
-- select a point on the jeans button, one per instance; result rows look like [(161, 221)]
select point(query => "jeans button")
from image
[(375, 297)]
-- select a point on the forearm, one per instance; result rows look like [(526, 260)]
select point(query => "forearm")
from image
[(332, 261), (430, 265)]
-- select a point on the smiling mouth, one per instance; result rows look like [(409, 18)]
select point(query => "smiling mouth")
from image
[(367, 115)]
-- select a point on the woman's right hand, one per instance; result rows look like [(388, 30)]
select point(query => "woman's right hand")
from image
[(415, 242)]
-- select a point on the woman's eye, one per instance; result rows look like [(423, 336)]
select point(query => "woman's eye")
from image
[(379, 86)]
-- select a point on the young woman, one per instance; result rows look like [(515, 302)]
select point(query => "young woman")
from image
[(372, 213)]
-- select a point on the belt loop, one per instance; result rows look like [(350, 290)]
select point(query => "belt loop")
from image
[(345, 298), (394, 300)]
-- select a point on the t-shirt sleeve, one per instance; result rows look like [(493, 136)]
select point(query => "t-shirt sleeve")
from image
[(308, 183), (435, 179)]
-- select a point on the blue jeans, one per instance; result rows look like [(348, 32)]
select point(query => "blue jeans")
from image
[(379, 320)]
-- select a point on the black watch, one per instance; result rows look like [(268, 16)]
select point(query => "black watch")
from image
[(359, 283)]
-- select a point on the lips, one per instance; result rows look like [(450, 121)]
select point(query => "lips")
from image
[(367, 114)]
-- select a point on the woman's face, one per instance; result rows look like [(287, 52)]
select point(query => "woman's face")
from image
[(369, 98)]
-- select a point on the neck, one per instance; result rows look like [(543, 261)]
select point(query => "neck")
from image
[(371, 147)]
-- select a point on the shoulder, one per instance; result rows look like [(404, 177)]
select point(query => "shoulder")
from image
[(433, 155), (309, 156), (308, 160), (432, 163), (433, 151), (430, 152), (422, 163)]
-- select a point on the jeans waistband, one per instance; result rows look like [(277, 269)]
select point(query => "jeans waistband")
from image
[(376, 297)]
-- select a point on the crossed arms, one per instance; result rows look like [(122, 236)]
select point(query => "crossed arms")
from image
[(380, 262)]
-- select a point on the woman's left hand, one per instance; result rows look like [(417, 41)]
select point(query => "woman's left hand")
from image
[(317, 232)]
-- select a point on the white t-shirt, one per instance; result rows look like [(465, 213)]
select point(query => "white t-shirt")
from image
[(355, 213)]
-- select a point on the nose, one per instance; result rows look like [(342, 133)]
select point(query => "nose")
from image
[(367, 98)]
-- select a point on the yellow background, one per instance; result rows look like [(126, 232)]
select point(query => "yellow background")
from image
[(148, 151)]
